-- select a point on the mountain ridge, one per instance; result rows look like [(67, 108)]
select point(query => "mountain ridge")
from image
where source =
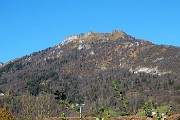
[(85, 65)]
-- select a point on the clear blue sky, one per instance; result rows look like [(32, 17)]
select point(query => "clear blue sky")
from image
[(28, 26)]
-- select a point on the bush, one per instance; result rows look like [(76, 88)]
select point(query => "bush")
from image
[(147, 109), (5, 115)]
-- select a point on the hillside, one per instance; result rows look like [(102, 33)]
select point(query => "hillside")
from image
[(85, 65)]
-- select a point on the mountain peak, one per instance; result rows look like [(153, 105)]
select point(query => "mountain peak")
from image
[(91, 36), (119, 33)]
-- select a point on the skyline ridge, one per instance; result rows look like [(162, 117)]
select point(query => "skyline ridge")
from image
[(85, 34)]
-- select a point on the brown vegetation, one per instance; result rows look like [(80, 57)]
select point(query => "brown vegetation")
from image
[(5, 115)]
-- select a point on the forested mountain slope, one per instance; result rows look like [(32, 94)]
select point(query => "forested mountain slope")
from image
[(85, 65)]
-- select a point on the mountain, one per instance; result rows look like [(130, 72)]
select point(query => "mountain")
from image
[(85, 65)]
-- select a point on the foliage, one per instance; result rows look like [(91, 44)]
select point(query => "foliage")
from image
[(74, 107), (34, 87), (5, 115), (35, 107), (104, 111), (141, 113), (61, 97), (120, 94), (147, 109), (166, 109)]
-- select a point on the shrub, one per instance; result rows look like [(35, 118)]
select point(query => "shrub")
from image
[(5, 115)]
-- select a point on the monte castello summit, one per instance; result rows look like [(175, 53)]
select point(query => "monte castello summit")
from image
[(84, 66)]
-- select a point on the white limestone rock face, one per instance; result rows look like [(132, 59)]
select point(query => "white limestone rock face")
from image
[(158, 59), (70, 39), (85, 46), (153, 70)]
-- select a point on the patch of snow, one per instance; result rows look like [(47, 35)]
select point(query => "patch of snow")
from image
[(92, 53), (131, 45), (103, 68), (147, 70), (128, 46), (81, 41), (124, 47), (137, 43), (58, 47), (29, 58), (86, 46), (59, 54), (73, 37), (158, 59), (121, 64), (122, 59), (80, 47)]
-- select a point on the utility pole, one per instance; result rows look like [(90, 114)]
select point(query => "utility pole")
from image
[(80, 110)]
